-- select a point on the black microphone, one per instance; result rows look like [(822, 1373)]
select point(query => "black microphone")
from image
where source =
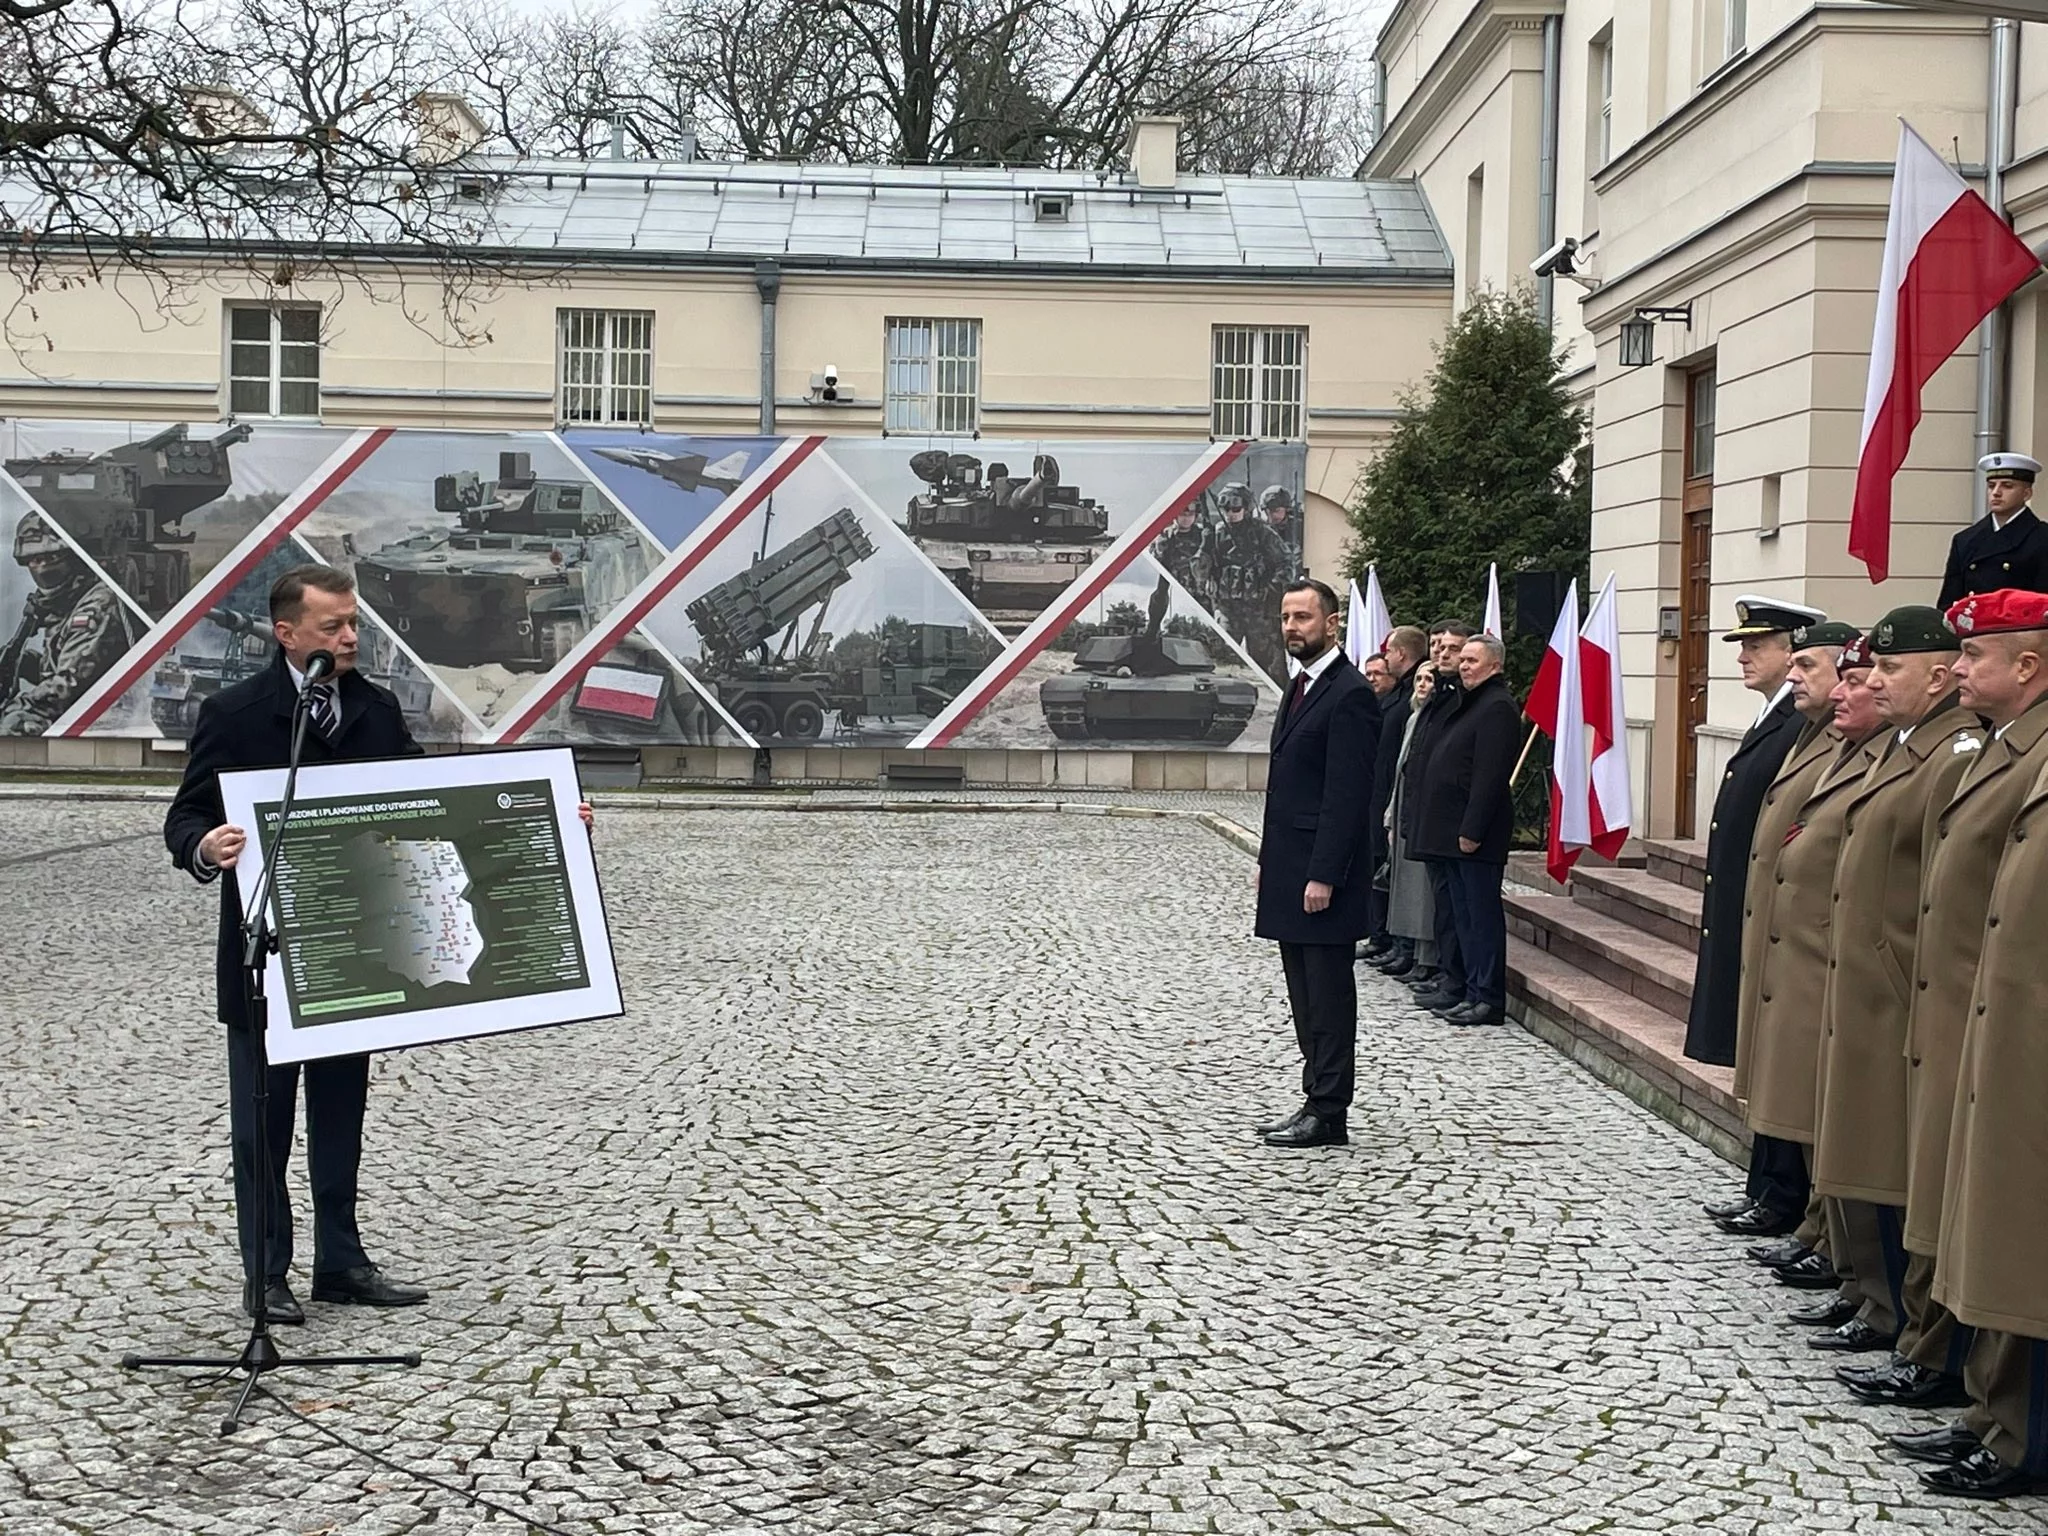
[(319, 665)]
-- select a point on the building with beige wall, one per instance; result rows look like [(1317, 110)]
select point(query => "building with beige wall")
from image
[(1725, 165)]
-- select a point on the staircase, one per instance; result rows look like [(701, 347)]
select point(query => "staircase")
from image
[(1602, 968)]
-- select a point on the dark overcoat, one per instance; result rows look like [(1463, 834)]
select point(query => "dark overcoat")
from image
[(1983, 558), (1393, 728), (1717, 974), (1318, 788), (1466, 792)]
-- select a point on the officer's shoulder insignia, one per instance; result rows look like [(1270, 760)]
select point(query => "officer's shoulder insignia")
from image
[(1968, 743)]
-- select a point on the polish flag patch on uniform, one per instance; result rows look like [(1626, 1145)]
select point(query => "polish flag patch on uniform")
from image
[(625, 691)]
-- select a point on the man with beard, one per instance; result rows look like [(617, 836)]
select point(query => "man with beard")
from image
[(73, 628), (1314, 880)]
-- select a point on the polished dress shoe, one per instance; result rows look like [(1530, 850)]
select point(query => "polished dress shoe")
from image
[(1374, 949), (1855, 1337), (1832, 1313), (1787, 1250), (1909, 1385), (1760, 1220), (1282, 1125), (1853, 1376), (1979, 1475), (1474, 1013), (366, 1286), (1720, 1208), (1812, 1273), (1311, 1131), (1425, 979), (1430, 1002), (1398, 967), (1448, 1006), (279, 1304), (1945, 1446)]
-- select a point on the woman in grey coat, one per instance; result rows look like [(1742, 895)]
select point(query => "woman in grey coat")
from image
[(1411, 908)]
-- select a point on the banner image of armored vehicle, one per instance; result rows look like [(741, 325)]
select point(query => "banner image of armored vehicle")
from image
[(1147, 685)]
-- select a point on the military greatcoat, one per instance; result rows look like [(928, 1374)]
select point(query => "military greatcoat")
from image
[(1817, 746), (1859, 1150), (1964, 840), (1993, 1251), (1792, 965), (1987, 558)]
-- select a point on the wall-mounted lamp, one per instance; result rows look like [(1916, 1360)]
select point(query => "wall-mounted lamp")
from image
[(1639, 335)]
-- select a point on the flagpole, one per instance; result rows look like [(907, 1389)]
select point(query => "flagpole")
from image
[(1533, 731)]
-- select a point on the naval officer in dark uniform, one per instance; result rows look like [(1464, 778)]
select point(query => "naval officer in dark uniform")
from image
[(2008, 546)]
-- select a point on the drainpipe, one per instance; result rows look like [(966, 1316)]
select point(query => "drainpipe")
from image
[(768, 280), (1546, 169), (1994, 340)]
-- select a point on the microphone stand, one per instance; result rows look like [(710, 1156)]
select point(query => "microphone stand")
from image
[(260, 1354)]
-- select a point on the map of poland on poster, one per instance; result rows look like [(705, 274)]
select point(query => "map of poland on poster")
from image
[(426, 898)]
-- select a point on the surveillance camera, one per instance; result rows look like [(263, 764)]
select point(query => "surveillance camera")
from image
[(831, 375), (1558, 261)]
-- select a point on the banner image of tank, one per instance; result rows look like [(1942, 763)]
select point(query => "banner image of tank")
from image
[(1012, 523), (671, 483), (61, 627), (635, 694), (812, 623), (1142, 667), (489, 555), (155, 507)]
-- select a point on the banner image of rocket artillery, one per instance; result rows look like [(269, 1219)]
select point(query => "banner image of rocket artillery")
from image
[(1147, 686), (1010, 544)]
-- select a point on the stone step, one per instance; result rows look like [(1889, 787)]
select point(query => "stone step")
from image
[(1681, 860), (1650, 969), (1627, 1042), (1659, 907), (1528, 867)]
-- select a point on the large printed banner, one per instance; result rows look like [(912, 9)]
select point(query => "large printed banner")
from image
[(631, 588)]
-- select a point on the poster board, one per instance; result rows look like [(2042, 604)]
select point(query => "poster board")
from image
[(422, 899)]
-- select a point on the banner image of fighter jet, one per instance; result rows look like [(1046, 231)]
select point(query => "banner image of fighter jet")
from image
[(685, 471)]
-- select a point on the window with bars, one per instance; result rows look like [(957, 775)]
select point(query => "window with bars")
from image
[(1260, 382), (274, 360), (607, 367), (931, 377)]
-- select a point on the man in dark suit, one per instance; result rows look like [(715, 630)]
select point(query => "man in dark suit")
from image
[(2008, 546), (1402, 657), (1466, 820), (1314, 881), (1442, 986)]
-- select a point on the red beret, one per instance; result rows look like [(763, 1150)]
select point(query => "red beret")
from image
[(1999, 613), (1855, 654)]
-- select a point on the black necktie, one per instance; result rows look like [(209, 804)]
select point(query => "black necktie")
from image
[(1300, 688), (320, 701)]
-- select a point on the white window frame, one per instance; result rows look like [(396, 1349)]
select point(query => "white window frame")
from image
[(1734, 27), (276, 346), (1603, 129), (604, 367), (931, 376), (1258, 382)]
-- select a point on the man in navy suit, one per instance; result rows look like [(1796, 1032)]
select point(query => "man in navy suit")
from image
[(1315, 871)]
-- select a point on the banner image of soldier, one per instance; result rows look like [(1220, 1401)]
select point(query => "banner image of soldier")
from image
[(64, 627), (491, 555), (156, 506), (672, 484), (636, 694), (1277, 474), (1221, 550), (817, 621), (1011, 522), (1143, 667)]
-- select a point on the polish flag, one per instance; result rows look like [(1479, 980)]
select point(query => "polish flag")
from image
[(1368, 626), (1613, 801), (621, 691), (1492, 624), (1949, 260), (1557, 704)]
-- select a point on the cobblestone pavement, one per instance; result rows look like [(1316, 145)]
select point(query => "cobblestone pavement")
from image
[(915, 1194)]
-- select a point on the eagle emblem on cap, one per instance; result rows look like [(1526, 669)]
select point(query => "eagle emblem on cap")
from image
[(1799, 638), (1884, 634), (1966, 620)]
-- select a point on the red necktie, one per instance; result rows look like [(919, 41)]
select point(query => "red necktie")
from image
[(1300, 688)]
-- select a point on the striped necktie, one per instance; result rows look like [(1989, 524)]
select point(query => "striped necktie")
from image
[(320, 702)]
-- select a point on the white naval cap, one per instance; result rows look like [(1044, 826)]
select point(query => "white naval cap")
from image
[(2009, 466)]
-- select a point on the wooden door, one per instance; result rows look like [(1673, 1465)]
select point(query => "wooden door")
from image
[(1695, 590)]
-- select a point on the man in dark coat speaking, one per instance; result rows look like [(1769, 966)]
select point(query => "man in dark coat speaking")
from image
[(1315, 875)]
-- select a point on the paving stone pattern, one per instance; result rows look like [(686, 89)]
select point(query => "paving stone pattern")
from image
[(915, 1194)]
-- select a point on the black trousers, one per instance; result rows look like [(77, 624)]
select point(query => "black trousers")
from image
[(1778, 1174), (1482, 923), (1322, 992), (336, 1091), (1450, 959)]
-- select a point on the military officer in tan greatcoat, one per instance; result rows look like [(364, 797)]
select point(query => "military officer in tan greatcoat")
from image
[(1860, 1142), (1774, 1048), (2003, 678), (1991, 1270)]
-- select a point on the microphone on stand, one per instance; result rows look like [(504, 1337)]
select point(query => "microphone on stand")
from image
[(319, 666)]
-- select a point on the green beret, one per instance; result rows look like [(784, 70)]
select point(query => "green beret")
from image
[(1912, 628), (1830, 632)]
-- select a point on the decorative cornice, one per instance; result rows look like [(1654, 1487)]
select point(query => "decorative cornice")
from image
[(1478, 37)]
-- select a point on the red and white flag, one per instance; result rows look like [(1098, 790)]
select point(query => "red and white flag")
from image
[(1491, 624), (621, 691), (1612, 809), (1557, 705), (1366, 631), (1949, 260)]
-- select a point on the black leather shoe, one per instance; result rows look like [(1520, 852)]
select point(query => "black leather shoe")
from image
[(1373, 949), (1761, 1221), (1832, 1313), (1812, 1273), (279, 1304), (1447, 1007), (1855, 1337), (1282, 1125), (1728, 1207), (1473, 1013), (1908, 1385), (1432, 1001), (1979, 1475), (1311, 1131), (1787, 1250), (1854, 1376), (1945, 1446), (366, 1286), (1425, 979), (1398, 967)]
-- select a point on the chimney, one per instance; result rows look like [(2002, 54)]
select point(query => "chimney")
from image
[(1155, 152), (220, 109), (449, 127)]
